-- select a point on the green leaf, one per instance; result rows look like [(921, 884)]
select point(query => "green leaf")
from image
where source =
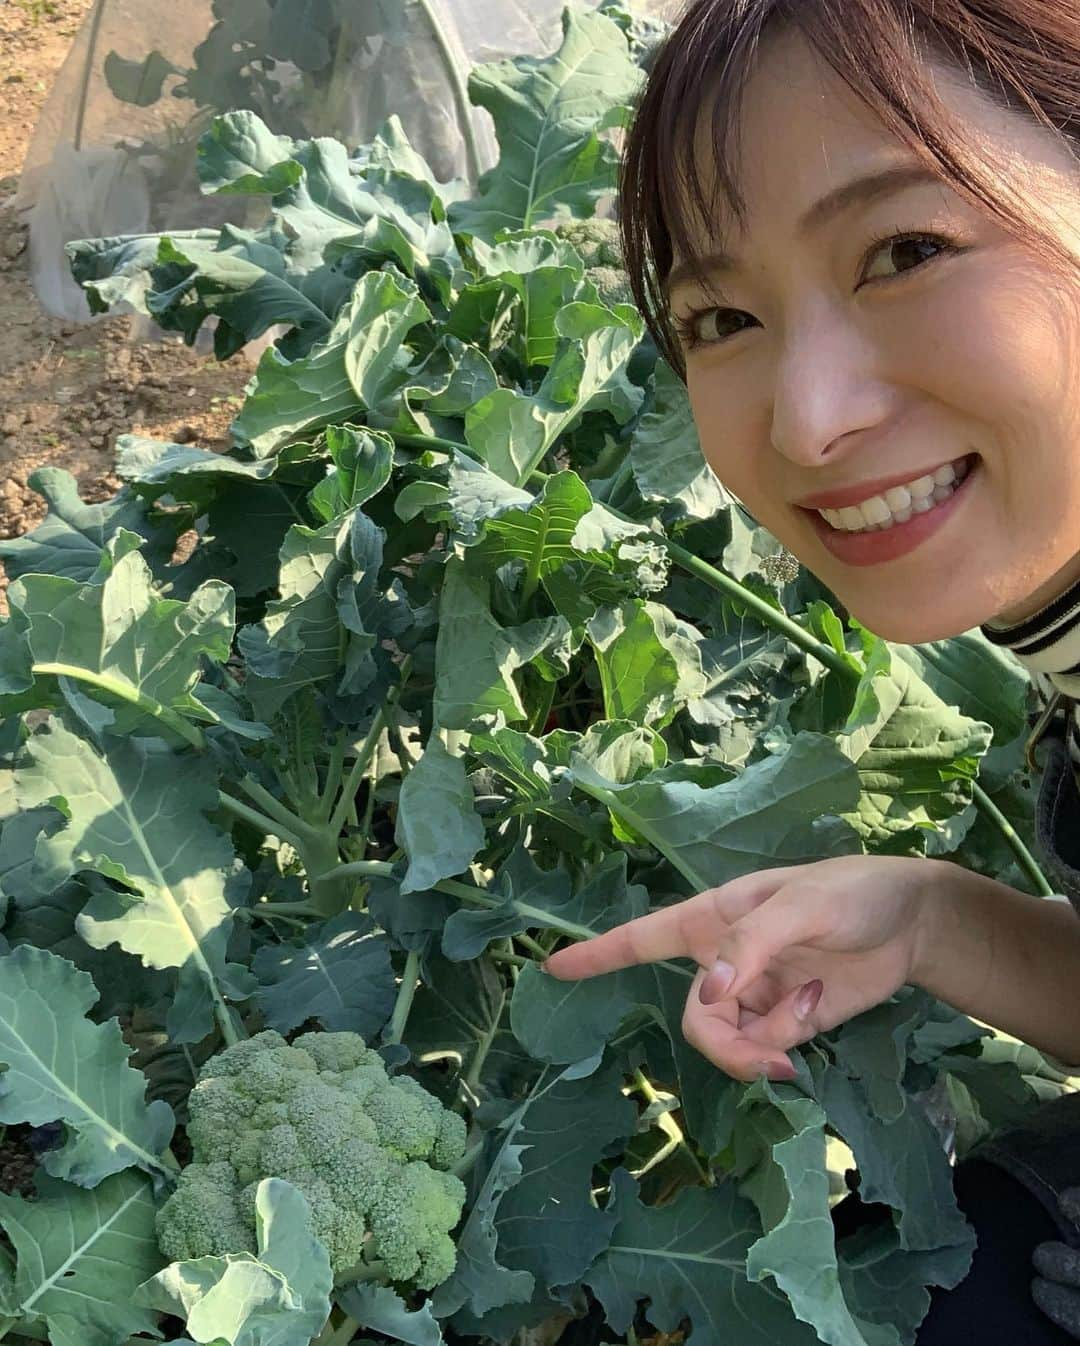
[(322, 628), (279, 1297), (665, 452), (688, 1259), (381, 1309), (649, 662), (59, 1066), (358, 366), (917, 757), (456, 1012), (546, 112), (117, 640), (134, 818), (329, 203), (69, 542), (776, 813), (476, 658), (437, 824), (339, 973), (248, 281), (780, 1148), (81, 1257), (511, 431), (533, 1212), (362, 463)]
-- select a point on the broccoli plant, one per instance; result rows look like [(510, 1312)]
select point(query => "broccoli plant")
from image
[(465, 654)]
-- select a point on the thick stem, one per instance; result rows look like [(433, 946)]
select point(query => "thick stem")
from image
[(125, 692), (258, 820), (405, 995), (275, 809)]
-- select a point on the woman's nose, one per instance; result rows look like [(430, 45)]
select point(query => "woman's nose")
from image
[(827, 387)]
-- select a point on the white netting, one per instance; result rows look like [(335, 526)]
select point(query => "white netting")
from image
[(113, 150)]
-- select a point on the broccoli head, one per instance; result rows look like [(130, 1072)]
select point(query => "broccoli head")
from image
[(599, 244), (369, 1152)]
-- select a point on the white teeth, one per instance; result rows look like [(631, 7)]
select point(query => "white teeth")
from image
[(899, 503), (876, 510)]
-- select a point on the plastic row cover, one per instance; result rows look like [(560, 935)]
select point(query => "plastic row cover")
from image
[(113, 151)]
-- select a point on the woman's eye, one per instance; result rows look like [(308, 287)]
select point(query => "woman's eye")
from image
[(709, 326), (907, 251)]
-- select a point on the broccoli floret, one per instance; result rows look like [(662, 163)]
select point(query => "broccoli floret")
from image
[(598, 243), (369, 1152), (612, 285), (597, 240)]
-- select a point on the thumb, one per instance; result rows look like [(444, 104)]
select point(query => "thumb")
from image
[(750, 944)]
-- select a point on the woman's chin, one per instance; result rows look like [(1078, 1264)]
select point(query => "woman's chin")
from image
[(912, 628)]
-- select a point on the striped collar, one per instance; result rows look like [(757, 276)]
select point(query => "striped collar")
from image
[(1048, 642)]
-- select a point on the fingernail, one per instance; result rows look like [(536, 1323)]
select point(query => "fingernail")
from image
[(807, 999), (775, 1070), (544, 968), (715, 984)]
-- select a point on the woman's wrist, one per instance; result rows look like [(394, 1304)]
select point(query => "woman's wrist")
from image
[(1006, 958)]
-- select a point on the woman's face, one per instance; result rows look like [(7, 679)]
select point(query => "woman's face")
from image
[(832, 367)]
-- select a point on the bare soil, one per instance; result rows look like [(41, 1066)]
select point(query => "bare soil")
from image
[(68, 389)]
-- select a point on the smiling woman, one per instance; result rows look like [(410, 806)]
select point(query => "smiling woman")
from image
[(853, 227)]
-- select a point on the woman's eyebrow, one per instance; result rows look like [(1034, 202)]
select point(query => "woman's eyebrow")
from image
[(858, 192)]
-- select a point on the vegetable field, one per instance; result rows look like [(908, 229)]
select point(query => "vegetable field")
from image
[(466, 654)]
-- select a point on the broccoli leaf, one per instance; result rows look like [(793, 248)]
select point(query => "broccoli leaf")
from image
[(69, 542), (382, 1309), (115, 639), (132, 818), (81, 1256), (546, 113), (339, 973), (540, 1164), (58, 1066), (437, 826), (281, 1297), (665, 451), (687, 1259)]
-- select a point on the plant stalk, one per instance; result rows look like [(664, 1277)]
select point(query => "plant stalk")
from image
[(670, 1127), (405, 995), (125, 692), (367, 749)]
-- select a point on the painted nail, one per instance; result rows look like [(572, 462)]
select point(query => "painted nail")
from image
[(715, 984), (774, 1070), (807, 999)]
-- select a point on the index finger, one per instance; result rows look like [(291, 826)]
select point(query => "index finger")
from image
[(688, 929)]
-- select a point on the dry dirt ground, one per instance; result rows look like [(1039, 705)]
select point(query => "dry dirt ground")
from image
[(67, 390)]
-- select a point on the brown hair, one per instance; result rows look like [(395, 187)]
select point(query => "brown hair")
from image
[(1023, 54)]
